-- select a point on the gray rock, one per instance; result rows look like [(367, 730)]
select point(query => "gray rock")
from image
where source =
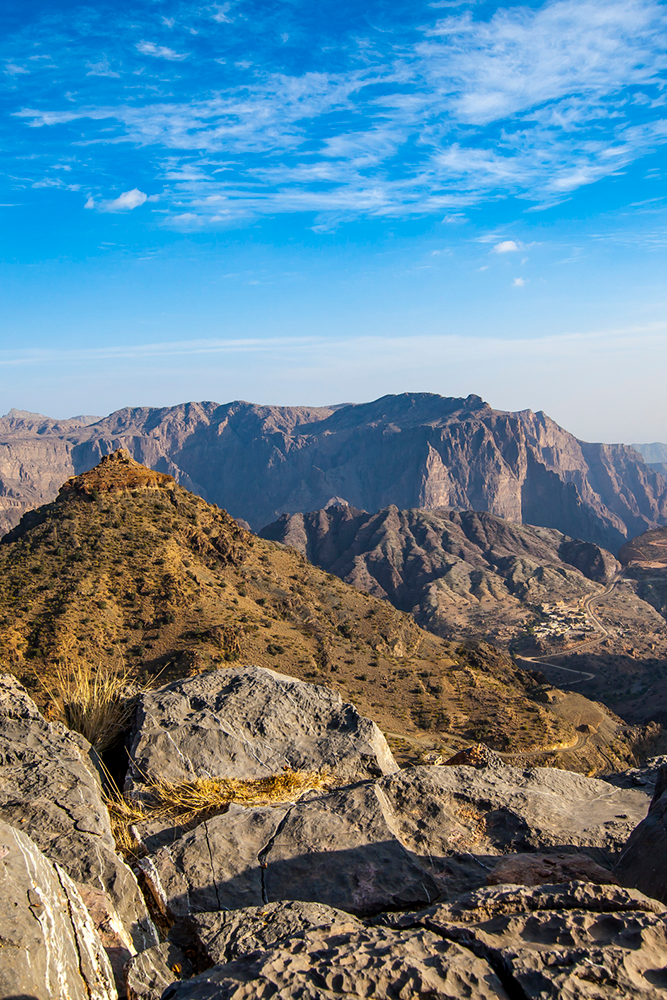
[(221, 937), (49, 947), (147, 975), (560, 941), (444, 810), (215, 866), (249, 723), (346, 959), (50, 789), (338, 849), (643, 862)]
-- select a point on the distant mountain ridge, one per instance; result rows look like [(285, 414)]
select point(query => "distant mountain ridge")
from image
[(411, 450), (459, 573)]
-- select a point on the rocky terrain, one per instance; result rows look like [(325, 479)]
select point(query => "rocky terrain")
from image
[(460, 573), (128, 574), (474, 879), (412, 450), (582, 617)]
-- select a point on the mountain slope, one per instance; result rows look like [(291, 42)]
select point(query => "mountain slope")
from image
[(412, 450), (128, 564), (459, 573)]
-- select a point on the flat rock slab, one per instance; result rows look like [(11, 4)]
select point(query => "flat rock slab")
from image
[(249, 723), (224, 936), (349, 960), (544, 869), (49, 788), (338, 849), (561, 941), (442, 810), (49, 947)]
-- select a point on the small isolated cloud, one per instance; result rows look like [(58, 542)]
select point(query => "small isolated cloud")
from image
[(160, 51), (221, 10), (13, 70), (456, 219), (125, 202), (185, 219), (518, 283), (101, 68), (506, 246)]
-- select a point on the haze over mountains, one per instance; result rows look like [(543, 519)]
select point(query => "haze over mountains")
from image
[(412, 450)]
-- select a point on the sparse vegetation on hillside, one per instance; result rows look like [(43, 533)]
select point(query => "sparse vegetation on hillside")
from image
[(128, 564)]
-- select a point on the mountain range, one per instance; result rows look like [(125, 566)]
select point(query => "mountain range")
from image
[(460, 573), (412, 450)]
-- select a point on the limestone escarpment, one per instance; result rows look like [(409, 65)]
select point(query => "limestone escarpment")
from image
[(412, 450)]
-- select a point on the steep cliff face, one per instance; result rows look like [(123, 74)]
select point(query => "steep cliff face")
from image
[(412, 450)]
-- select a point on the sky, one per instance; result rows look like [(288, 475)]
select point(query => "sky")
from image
[(312, 203)]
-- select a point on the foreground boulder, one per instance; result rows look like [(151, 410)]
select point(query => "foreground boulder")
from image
[(339, 849), (571, 941), (249, 723), (643, 863), (346, 959), (49, 947), (51, 790)]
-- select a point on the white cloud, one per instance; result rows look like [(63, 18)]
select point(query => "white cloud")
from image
[(13, 70), (101, 68), (160, 51), (125, 202), (221, 11), (506, 246), (530, 103), (519, 282)]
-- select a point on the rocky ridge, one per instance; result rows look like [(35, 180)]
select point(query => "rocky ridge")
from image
[(395, 884), (411, 450), (460, 573), (128, 571)]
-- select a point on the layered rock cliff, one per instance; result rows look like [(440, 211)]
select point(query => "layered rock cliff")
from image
[(412, 450)]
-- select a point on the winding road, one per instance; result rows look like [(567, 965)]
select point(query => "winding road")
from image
[(584, 675)]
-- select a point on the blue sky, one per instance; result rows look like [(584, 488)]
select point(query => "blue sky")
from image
[(308, 203)]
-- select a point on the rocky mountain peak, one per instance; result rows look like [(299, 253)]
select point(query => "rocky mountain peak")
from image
[(116, 472)]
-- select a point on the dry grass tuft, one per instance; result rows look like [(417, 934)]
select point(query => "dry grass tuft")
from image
[(200, 797), (96, 702), (190, 802)]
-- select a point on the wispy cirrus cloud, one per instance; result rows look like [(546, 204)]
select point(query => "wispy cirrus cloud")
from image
[(531, 102), (160, 51)]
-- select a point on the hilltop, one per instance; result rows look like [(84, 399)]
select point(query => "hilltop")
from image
[(411, 450), (128, 565)]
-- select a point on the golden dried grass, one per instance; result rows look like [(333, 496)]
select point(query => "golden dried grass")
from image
[(191, 802), (199, 797), (97, 702)]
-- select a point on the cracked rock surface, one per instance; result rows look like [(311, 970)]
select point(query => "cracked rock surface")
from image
[(49, 947), (568, 941), (251, 722), (338, 849), (51, 790)]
